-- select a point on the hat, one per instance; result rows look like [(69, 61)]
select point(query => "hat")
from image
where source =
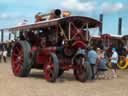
[(114, 49), (98, 49)]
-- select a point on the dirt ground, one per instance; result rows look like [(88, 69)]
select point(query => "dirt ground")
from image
[(36, 85)]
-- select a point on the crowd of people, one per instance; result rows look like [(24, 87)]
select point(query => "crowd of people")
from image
[(98, 61), (5, 50)]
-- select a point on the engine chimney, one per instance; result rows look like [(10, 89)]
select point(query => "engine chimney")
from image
[(101, 27), (120, 26), (55, 14), (2, 35)]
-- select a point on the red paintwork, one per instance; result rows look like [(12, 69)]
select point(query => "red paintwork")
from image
[(106, 36), (79, 44), (48, 69), (43, 54), (66, 63), (43, 46)]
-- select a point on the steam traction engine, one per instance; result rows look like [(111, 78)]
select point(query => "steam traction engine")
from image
[(54, 44)]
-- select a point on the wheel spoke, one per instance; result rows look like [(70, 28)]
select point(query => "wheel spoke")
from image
[(18, 68), (17, 49), (16, 62), (20, 53), (79, 70), (15, 54), (49, 69), (47, 74), (17, 59), (50, 61)]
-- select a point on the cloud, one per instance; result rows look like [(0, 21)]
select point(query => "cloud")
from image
[(13, 17), (78, 5), (85, 0), (4, 16), (115, 7), (10, 16)]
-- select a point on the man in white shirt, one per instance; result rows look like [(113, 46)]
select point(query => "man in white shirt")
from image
[(114, 61), (5, 55)]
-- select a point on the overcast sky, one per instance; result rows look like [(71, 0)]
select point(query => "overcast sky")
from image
[(14, 11)]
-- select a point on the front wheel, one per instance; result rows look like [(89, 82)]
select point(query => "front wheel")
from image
[(80, 68), (51, 68)]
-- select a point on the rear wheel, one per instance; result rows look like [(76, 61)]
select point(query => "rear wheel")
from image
[(20, 61), (51, 68)]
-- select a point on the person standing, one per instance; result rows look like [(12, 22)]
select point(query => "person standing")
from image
[(92, 59), (114, 61), (101, 66), (1, 50), (4, 52)]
